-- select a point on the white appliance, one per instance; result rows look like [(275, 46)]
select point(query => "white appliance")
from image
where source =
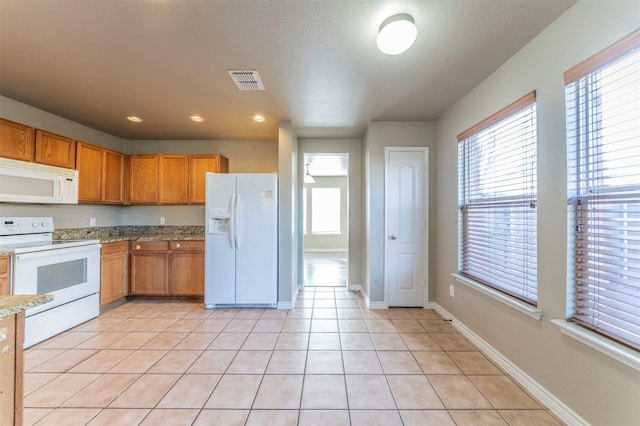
[(24, 182), (241, 240), (68, 269)]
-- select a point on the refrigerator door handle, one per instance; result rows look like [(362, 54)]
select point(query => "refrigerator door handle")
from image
[(236, 219), (232, 224)]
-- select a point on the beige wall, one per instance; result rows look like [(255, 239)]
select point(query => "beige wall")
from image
[(381, 134), (599, 389)]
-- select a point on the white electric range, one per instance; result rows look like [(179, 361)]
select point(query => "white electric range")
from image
[(68, 269)]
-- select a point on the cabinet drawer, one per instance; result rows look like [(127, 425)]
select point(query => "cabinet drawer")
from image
[(149, 245), (117, 247), (4, 265), (187, 245)]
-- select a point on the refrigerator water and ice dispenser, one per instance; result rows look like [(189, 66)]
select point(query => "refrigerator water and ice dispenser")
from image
[(219, 221)]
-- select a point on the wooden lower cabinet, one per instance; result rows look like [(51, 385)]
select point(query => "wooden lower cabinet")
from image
[(186, 268), (113, 272), (12, 369), (4, 275), (149, 268), (163, 268)]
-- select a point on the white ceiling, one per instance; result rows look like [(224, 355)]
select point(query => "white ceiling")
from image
[(97, 61)]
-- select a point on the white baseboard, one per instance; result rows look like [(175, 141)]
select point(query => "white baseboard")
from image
[(369, 304), (286, 305), (290, 305), (558, 407)]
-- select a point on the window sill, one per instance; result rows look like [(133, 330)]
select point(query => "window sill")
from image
[(516, 304), (617, 351)]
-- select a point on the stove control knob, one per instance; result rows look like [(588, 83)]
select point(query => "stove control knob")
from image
[(34, 224), (43, 224)]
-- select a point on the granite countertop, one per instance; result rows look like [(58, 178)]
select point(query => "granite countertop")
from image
[(12, 304), (112, 234)]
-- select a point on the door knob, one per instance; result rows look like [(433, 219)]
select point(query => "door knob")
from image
[(393, 237)]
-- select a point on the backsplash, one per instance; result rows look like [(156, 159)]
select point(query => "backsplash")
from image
[(124, 231)]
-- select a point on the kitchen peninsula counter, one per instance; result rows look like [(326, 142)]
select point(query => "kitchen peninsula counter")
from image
[(12, 309), (16, 303)]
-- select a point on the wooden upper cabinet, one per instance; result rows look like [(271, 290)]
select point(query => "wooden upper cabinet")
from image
[(17, 141), (55, 150), (198, 166), (143, 179), (113, 177), (101, 174), (173, 179), (89, 166)]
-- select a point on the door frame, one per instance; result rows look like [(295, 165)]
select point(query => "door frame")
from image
[(425, 236)]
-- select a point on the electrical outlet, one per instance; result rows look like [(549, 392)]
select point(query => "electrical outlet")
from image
[(162, 221), (92, 221), (452, 290)]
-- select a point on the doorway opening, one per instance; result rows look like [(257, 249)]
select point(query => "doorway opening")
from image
[(325, 220)]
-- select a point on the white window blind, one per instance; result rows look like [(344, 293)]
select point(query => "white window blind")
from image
[(497, 200), (603, 154)]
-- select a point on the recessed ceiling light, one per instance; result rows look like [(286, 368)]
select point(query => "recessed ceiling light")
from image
[(259, 118), (197, 118), (396, 34), (135, 119)]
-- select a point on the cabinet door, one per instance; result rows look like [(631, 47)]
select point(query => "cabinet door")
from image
[(4, 275), (113, 177), (186, 276), (17, 141), (148, 273), (143, 175), (89, 166), (198, 166), (186, 268), (113, 272), (173, 179), (55, 150)]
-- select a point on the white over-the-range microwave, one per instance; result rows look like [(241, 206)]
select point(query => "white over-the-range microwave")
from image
[(24, 182)]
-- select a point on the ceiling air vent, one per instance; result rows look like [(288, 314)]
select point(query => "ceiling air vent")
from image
[(246, 79)]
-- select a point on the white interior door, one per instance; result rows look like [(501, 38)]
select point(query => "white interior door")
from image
[(406, 224)]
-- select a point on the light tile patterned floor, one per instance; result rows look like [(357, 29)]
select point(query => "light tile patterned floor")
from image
[(329, 361)]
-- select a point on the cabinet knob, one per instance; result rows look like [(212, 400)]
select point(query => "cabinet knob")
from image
[(138, 247), (177, 245)]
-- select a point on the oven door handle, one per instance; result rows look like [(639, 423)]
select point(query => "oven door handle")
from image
[(56, 252)]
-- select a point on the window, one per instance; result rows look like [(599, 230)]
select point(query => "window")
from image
[(325, 210), (497, 201), (603, 155)]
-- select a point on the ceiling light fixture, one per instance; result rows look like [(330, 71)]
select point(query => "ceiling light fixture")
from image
[(135, 119), (259, 118), (396, 34), (307, 176), (196, 118)]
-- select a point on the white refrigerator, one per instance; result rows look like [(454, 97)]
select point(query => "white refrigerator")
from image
[(241, 240)]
